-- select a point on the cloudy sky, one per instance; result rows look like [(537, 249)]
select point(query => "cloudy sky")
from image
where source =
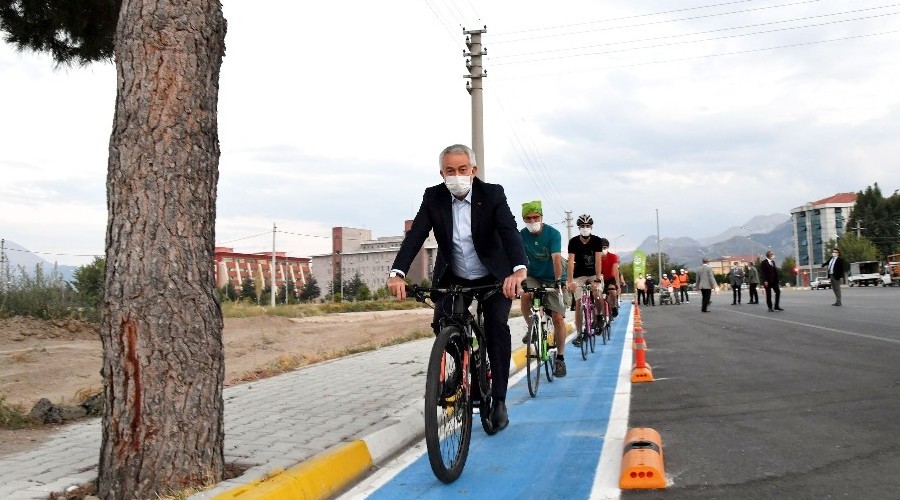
[(332, 114)]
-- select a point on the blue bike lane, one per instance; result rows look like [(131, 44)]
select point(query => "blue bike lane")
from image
[(553, 445)]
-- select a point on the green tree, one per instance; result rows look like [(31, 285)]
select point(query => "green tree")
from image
[(352, 287), (248, 289), (88, 282), (310, 291), (164, 152), (854, 249), (878, 219), (787, 270)]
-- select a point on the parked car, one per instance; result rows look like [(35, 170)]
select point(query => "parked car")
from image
[(820, 283)]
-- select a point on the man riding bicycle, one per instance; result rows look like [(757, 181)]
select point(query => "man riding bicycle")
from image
[(609, 266), (583, 266), (542, 245), (478, 244)]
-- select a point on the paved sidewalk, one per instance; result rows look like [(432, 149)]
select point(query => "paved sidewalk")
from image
[(271, 424)]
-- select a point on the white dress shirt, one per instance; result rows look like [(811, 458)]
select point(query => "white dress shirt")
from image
[(465, 261)]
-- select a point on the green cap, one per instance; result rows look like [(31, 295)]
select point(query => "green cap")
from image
[(532, 207)]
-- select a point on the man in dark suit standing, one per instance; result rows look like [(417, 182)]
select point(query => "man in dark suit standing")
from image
[(836, 269), (769, 272), (478, 244)]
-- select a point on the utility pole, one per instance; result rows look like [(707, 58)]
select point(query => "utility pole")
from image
[(568, 225), (658, 252), (476, 90), (272, 270)]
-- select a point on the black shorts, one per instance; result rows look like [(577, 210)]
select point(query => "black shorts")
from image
[(610, 283)]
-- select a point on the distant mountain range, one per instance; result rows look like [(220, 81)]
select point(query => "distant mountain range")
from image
[(21, 257), (751, 238)]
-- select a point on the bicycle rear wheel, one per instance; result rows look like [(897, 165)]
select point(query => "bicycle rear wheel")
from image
[(533, 356), (594, 331), (448, 410), (585, 329), (548, 355)]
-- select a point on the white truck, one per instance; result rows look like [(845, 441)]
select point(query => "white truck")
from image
[(864, 273)]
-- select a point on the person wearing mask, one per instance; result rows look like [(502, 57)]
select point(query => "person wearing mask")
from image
[(736, 279), (585, 251), (543, 247), (610, 269), (651, 289), (769, 272), (478, 244), (706, 282), (836, 269), (676, 286), (683, 281), (640, 284), (753, 281)]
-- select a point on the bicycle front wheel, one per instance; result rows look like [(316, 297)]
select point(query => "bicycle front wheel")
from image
[(448, 405), (585, 330), (594, 332), (533, 356), (547, 355)]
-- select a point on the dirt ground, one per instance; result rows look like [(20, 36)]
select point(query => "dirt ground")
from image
[(60, 360)]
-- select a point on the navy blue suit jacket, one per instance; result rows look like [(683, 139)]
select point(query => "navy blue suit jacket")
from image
[(494, 232)]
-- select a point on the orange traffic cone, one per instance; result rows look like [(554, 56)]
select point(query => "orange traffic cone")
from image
[(641, 371), (639, 339)]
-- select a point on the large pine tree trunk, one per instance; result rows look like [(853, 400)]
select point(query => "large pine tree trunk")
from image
[(163, 361)]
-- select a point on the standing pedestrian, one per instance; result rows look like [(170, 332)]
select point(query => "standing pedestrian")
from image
[(651, 290), (836, 269), (683, 281), (753, 280), (769, 272), (706, 281), (641, 286), (736, 278)]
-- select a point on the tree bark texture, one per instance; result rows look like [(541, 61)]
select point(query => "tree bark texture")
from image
[(163, 359)]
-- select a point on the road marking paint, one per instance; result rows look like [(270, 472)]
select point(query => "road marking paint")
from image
[(817, 327)]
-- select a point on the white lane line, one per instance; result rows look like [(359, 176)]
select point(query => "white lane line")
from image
[(817, 327), (606, 477)]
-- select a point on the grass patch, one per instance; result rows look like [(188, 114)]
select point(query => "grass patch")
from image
[(290, 362), (247, 310)]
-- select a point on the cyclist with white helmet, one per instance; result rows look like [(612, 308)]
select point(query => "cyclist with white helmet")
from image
[(585, 252)]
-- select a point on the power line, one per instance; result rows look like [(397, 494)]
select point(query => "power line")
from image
[(695, 41), (748, 51), (692, 34), (654, 22)]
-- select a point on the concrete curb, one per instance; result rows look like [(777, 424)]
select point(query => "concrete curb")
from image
[(338, 467)]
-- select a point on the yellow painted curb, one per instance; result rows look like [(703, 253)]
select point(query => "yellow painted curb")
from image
[(318, 478)]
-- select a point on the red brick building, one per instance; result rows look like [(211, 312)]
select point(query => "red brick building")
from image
[(233, 267)]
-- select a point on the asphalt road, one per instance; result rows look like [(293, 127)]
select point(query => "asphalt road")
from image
[(803, 403)]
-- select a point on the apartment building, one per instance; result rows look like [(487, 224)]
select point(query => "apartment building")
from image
[(234, 267), (354, 251), (815, 223)]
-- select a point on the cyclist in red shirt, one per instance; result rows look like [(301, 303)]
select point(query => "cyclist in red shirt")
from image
[(609, 266)]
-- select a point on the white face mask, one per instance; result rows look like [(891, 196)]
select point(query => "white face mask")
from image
[(535, 227), (584, 232), (834, 254), (604, 251), (459, 185)]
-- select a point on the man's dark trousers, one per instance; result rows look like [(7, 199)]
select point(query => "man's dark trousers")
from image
[(705, 294), (496, 327), (773, 287)]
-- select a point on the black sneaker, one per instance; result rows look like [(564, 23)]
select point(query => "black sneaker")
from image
[(615, 312), (577, 341), (559, 368)]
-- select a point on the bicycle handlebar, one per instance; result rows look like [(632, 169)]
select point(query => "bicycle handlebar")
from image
[(419, 291)]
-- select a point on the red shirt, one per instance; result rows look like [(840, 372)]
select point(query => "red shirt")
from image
[(606, 265)]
